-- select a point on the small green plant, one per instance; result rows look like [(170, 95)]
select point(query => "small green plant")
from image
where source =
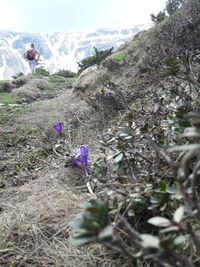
[(65, 74)]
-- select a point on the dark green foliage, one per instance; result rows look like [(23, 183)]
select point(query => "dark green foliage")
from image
[(17, 75), (65, 73), (173, 5), (159, 17), (96, 59), (5, 87), (172, 67), (94, 220)]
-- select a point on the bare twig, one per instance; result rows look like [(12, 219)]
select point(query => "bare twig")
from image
[(183, 180), (135, 236), (166, 157), (58, 154), (195, 239), (89, 188), (134, 177)]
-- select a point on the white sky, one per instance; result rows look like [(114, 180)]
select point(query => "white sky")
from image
[(67, 15)]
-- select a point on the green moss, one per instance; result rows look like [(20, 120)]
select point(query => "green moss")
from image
[(119, 56)]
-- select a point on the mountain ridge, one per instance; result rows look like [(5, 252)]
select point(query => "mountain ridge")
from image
[(59, 50)]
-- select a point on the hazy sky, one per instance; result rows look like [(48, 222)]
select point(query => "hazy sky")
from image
[(67, 15)]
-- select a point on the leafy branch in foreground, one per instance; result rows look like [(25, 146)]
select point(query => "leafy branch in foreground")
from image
[(94, 226), (156, 222)]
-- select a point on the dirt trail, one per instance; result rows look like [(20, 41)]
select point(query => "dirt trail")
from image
[(36, 198)]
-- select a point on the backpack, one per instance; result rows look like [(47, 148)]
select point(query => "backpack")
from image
[(30, 55)]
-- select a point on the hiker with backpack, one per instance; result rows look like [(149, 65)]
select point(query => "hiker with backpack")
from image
[(32, 56)]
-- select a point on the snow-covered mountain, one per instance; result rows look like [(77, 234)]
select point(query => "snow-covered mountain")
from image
[(58, 50)]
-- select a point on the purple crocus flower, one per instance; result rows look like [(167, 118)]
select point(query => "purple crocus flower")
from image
[(58, 127), (109, 93), (81, 156)]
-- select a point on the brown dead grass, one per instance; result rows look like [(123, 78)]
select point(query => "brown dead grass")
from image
[(27, 93), (34, 227), (31, 89)]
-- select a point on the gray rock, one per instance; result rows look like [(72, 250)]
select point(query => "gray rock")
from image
[(88, 79)]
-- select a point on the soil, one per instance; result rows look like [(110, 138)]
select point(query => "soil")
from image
[(28, 137)]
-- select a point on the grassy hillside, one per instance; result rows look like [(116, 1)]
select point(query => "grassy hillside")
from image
[(151, 152)]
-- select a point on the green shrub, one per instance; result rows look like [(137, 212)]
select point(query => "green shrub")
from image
[(159, 17), (17, 75), (170, 8), (173, 5), (94, 60), (150, 167), (41, 71), (65, 73)]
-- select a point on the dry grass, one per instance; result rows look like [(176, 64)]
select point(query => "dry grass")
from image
[(31, 90), (34, 228), (29, 93)]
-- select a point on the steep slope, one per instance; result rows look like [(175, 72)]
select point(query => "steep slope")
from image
[(151, 153)]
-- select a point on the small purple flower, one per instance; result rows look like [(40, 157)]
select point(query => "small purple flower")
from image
[(58, 127), (109, 93), (81, 155)]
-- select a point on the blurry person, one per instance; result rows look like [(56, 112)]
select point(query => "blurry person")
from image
[(32, 56)]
